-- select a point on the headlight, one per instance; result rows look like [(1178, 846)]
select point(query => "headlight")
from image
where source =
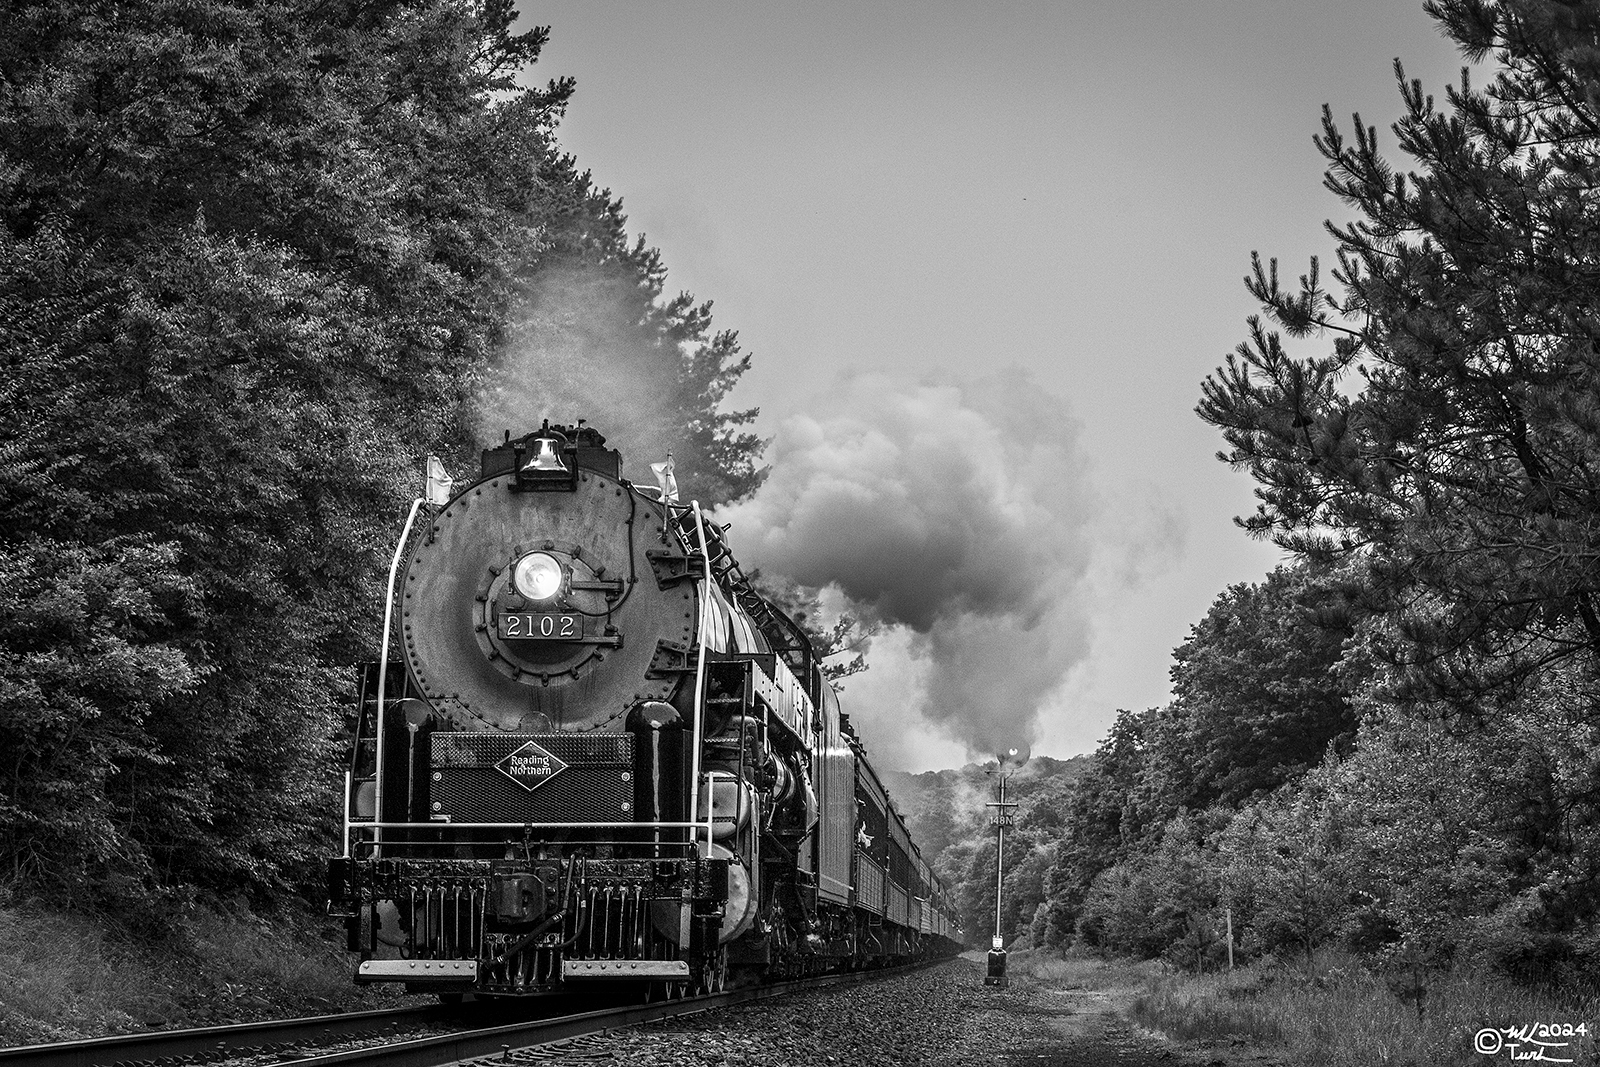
[(537, 576)]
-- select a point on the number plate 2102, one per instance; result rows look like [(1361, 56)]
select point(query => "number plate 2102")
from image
[(541, 627)]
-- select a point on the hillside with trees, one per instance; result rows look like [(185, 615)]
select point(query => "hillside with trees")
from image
[(1389, 745), (946, 814)]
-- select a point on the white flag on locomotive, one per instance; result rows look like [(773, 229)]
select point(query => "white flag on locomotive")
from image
[(664, 478), (439, 483)]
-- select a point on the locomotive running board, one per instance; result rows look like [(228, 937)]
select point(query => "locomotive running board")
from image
[(576, 969), (454, 971)]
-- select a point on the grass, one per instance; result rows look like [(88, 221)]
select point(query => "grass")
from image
[(1337, 1014), (64, 976), (1210, 1008), (1080, 972)]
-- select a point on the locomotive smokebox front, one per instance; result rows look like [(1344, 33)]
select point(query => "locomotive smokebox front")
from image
[(531, 606)]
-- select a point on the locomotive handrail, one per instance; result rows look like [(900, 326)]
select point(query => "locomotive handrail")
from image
[(712, 777), (383, 669), (348, 785), (697, 734)]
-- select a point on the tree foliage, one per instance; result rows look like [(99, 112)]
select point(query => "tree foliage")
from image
[(1389, 745), (946, 814), (1105, 820), (1283, 869), (254, 262), (1257, 704), (1449, 438), (1255, 701)]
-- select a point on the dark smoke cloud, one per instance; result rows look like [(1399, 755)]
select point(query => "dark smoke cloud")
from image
[(957, 511)]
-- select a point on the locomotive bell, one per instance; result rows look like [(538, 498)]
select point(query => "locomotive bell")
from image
[(545, 472), (546, 458)]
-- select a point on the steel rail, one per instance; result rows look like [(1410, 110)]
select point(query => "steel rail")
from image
[(104, 1051), (493, 1041), (222, 1042)]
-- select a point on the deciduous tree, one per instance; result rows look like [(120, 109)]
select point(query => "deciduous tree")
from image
[(252, 259), (593, 334), (1256, 701)]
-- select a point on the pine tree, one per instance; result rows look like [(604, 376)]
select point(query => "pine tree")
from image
[(1449, 440)]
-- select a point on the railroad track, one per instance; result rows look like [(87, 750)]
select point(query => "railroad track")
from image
[(394, 1037), (207, 1043)]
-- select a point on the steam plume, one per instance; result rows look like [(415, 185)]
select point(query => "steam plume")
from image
[(577, 350), (955, 511)]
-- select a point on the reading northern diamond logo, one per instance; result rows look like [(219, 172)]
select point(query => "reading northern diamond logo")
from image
[(530, 766)]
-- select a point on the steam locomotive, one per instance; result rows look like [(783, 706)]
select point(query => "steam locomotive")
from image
[(591, 752)]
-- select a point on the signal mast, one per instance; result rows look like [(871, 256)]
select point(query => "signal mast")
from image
[(1000, 819)]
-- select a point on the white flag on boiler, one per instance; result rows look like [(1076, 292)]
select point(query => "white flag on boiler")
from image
[(439, 483), (664, 478)]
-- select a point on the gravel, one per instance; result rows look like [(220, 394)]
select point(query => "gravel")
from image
[(906, 1019), (923, 1018), (943, 1016)]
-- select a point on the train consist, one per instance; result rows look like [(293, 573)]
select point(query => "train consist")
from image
[(598, 755)]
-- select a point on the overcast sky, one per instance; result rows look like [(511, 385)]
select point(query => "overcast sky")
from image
[(897, 205)]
